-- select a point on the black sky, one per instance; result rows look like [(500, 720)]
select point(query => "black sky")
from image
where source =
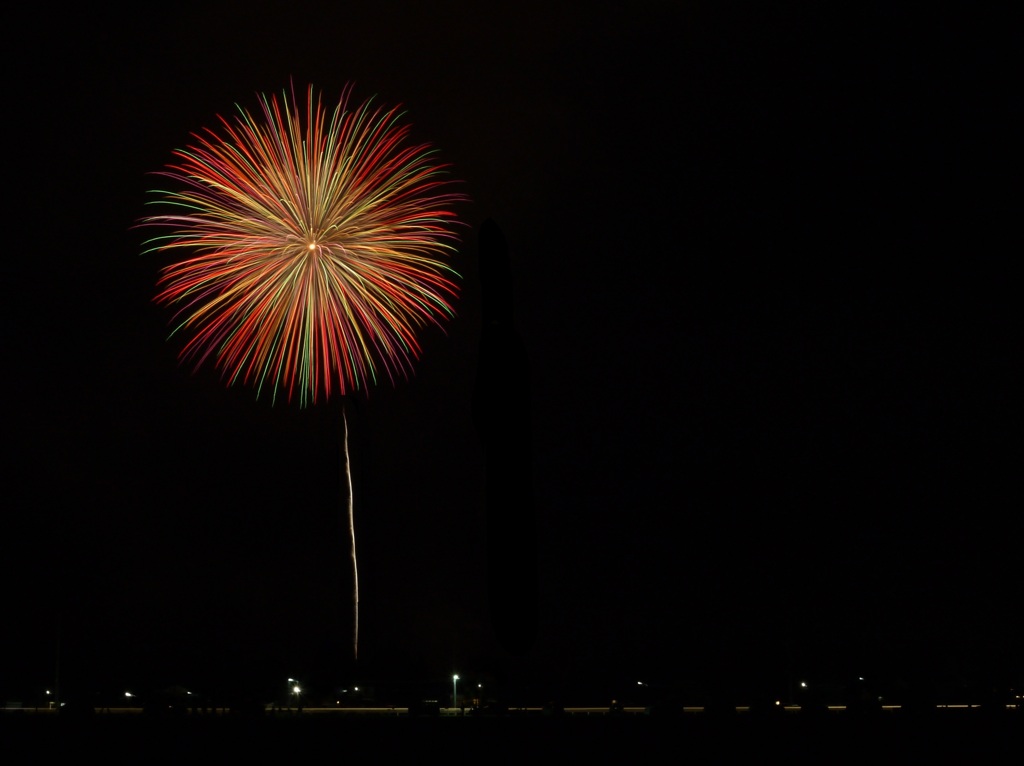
[(762, 270)]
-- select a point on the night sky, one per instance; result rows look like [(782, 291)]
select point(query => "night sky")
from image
[(761, 268)]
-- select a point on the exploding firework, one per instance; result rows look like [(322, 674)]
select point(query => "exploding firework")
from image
[(316, 247), (313, 246)]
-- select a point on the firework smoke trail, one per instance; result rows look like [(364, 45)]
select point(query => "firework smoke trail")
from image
[(314, 245)]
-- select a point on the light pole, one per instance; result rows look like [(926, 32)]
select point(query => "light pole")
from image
[(296, 690), (455, 690)]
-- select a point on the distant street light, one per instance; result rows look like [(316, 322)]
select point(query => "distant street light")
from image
[(455, 690), (296, 690)]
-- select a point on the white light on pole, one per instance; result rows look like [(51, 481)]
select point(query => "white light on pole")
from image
[(455, 690)]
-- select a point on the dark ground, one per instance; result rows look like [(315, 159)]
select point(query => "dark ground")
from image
[(971, 736)]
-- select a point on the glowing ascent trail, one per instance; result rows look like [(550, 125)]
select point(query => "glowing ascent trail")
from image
[(352, 537)]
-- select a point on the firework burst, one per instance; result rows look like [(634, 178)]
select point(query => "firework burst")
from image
[(313, 247), (315, 244)]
